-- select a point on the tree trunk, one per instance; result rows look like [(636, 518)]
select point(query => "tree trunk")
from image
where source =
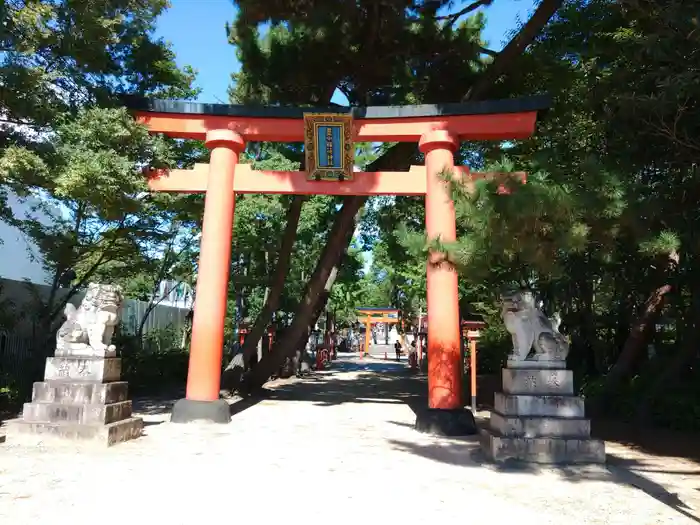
[(398, 157), (320, 305), (231, 376), (336, 245), (687, 351), (640, 328), (515, 47), (638, 335), (323, 298), (325, 295)]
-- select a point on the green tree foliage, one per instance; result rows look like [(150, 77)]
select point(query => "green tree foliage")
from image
[(604, 229), (63, 68), (312, 48), (93, 187)]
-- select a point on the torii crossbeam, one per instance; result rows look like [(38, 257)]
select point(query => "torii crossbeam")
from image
[(328, 134)]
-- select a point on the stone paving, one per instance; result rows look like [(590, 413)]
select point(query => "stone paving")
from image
[(329, 449)]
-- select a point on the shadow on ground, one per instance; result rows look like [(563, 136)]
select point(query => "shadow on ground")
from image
[(656, 441), (376, 382), (387, 382), (379, 382), (155, 405), (163, 404), (466, 452)]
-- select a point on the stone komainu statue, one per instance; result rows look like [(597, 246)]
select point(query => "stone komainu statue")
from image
[(531, 329), (88, 329)]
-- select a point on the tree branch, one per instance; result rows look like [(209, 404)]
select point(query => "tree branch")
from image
[(514, 48), (451, 19), (400, 155), (489, 52)]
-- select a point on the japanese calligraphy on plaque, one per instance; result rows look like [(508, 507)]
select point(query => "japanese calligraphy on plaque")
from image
[(329, 146)]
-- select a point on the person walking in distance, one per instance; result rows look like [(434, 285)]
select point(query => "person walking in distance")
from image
[(397, 347)]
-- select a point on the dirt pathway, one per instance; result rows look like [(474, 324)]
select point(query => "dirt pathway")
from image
[(333, 448)]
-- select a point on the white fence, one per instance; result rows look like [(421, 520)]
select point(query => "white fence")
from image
[(160, 318)]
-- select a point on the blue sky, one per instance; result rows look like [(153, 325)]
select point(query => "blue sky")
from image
[(195, 28)]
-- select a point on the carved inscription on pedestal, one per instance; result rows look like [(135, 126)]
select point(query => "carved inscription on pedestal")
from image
[(64, 370), (553, 380), (531, 382)]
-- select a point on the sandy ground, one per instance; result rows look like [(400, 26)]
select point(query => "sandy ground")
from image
[(329, 449)]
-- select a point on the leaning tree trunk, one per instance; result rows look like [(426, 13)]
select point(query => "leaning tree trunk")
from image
[(397, 157), (668, 374), (322, 299), (515, 47), (318, 307), (641, 327), (300, 354), (636, 341), (335, 247), (233, 373), (683, 357)]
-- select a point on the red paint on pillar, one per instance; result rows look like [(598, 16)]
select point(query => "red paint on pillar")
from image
[(206, 351), (368, 333), (444, 356)]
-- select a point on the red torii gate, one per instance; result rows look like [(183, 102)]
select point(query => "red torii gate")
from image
[(438, 129)]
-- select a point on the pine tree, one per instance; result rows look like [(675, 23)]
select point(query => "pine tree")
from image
[(311, 49)]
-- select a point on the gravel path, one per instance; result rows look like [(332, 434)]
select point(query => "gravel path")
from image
[(330, 449)]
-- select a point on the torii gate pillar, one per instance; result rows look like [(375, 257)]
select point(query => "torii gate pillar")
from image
[(446, 414), (206, 349), (444, 369)]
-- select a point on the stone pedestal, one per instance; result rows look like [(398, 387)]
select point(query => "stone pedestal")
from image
[(538, 419), (81, 398)]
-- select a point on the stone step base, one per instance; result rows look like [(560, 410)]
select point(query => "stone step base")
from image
[(84, 414), (538, 405), (542, 450), (536, 426), (32, 433), (80, 392)]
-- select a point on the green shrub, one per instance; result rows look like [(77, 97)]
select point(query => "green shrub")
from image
[(10, 394), (155, 365), (492, 350), (677, 407)]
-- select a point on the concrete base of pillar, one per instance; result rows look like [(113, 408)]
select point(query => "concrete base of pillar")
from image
[(189, 410), (448, 423)]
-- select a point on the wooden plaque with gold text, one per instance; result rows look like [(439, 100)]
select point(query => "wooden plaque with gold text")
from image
[(329, 148)]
